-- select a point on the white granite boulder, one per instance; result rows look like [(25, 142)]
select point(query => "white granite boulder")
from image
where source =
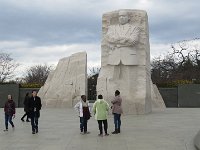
[(66, 83), (157, 100), (197, 141), (125, 60)]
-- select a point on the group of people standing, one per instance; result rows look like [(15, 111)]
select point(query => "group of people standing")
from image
[(100, 110), (32, 107)]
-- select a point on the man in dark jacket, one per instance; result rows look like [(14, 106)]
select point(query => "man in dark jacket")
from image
[(34, 106), (26, 109)]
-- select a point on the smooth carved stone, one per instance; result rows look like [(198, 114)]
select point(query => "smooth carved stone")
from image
[(157, 100), (67, 83), (125, 61)]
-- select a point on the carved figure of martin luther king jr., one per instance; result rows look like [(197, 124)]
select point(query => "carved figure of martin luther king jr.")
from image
[(122, 39)]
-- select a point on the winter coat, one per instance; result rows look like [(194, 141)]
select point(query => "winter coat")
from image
[(34, 106), (100, 109), (9, 107), (83, 109), (117, 105), (26, 100)]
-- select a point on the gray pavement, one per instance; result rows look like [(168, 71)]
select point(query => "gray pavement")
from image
[(173, 129)]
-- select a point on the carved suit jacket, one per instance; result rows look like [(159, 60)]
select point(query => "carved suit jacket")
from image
[(122, 40)]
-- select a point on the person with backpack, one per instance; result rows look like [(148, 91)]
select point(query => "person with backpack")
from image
[(9, 110)]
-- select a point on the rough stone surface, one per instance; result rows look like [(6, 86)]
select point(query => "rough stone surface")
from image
[(197, 141), (125, 60), (157, 100), (67, 83), (173, 129)]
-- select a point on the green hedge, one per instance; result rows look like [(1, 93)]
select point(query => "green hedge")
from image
[(30, 85), (173, 83)]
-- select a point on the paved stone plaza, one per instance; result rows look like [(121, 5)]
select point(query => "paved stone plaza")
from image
[(173, 129)]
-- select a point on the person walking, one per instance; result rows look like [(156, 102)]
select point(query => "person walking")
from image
[(34, 106), (26, 110), (83, 108), (9, 110), (100, 109), (117, 111)]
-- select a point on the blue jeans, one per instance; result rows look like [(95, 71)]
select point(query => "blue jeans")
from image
[(117, 120), (83, 124), (8, 118), (34, 123)]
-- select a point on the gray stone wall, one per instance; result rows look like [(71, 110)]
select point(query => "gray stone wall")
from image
[(189, 95), (17, 93), (170, 96), (183, 96), (5, 90)]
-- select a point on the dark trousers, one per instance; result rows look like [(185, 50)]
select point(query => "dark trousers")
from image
[(26, 114), (34, 122), (117, 120), (83, 124), (105, 124), (8, 118)]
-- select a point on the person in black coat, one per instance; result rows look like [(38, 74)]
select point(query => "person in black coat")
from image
[(26, 110), (34, 106)]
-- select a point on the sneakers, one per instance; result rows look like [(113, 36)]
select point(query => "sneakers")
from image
[(85, 133), (35, 131), (118, 130), (27, 120), (115, 132), (5, 130), (22, 119)]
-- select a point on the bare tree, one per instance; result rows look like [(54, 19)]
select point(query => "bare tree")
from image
[(37, 74), (163, 69), (182, 63), (94, 71), (92, 82), (7, 67)]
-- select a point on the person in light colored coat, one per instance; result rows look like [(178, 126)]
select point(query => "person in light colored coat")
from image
[(100, 109), (83, 108), (117, 111)]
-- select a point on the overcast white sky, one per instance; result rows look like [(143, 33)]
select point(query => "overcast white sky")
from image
[(44, 31)]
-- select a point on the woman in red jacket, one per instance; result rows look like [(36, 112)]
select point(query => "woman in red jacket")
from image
[(9, 110)]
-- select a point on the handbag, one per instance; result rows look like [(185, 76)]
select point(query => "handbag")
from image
[(86, 113)]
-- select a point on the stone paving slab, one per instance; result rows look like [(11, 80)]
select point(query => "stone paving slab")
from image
[(173, 129)]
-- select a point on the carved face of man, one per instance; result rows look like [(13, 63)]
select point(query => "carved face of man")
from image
[(123, 17)]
